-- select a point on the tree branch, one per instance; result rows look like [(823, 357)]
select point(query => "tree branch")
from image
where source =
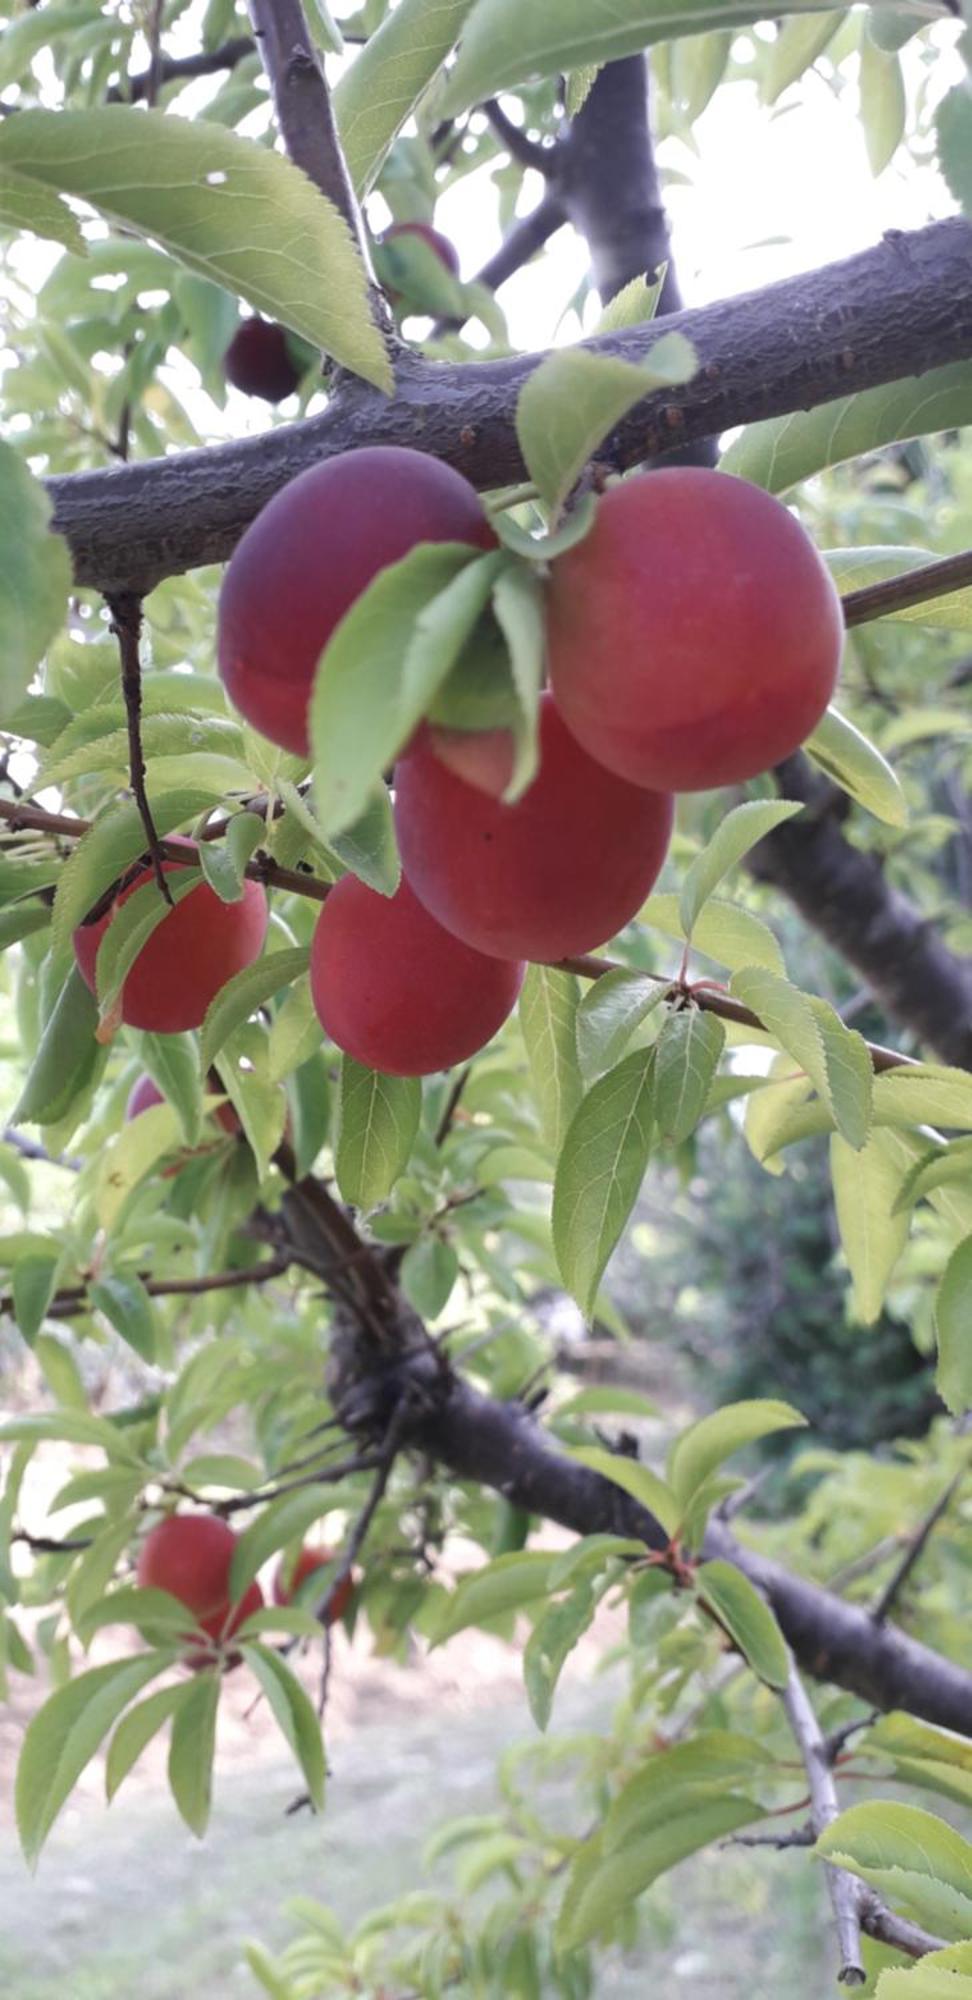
[(126, 624), (19, 814), (842, 1888), (915, 1549), (303, 104), (73, 1299), (897, 310), (527, 236), (173, 69), (528, 152), (916, 586), (608, 181)]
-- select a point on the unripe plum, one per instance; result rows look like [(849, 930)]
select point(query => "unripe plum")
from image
[(555, 874), (198, 945), (396, 991), (444, 250), (290, 1575), (189, 1555), (258, 361), (694, 636), (311, 552)]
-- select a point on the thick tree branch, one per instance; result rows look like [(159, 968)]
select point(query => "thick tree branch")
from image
[(896, 310), (303, 104), (844, 895), (608, 182)]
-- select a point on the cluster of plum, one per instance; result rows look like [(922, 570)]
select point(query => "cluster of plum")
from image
[(190, 1557), (693, 640)]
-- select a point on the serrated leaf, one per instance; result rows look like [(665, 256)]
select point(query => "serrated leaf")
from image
[(725, 932), (378, 1119), (747, 1618), (229, 209), (243, 994), (548, 1013), (173, 1064), (953, 1328), (872, 1235), (943, 1975), (593, 1904), (295, 1032), (599, 1172), (386, 82), (643, 1485), (191, 1748), (921, 1865), (137, 1728), (369, 848), (735, 835), (361, 713), (63, 1737), (858, 768), (223, 861), (855, 569), (687, 1056), (589, 1554), (799, 41), (707, 1444), (506, 1584), (295, 1714), (834, 1057), (571, 402), (129, 1308), (670, 1781), (553, 1638), (35, 577), (781, 451), (609, 1013), (634, 305), (68, 1427)]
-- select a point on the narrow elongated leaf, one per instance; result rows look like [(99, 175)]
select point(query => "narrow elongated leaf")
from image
[(599, 1172), (286, 1519), (137, 1728), (63, 1737), (873, 1236), (191, 1747), (33, 1284), (799, 41), (833, 1056), (295, 1713), (920, 1864), (503, 1585), (883, 106), (129, 1157), (747, 1618), (553, 1638), (858, 768), (953, 1327), (686, 1059), (548, 1018), (227, 208), (173, 1064), (573, 399), (389, 78), (643, 1485), (68, 1427), (369, 847), (125, 1302), (735, 835), (243, 994), (609, 1887), (670, 1781), (781, 451), (954, 124), (378, 1118), (35, 577), (707, 1444), (518, 607)]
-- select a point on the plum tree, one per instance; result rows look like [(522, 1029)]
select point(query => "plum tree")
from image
[(396, 991), (309, 555), (444, 250), (694, 636), (258, 361), (189, 1555), (291, 1573), (187, 960), (555, 874)]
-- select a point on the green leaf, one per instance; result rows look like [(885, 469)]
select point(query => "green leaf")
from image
[(361, 711), (725, 932), (223, 861), (369, 847), (924, 1094), (65, 1058), (943, 1975), (781, 451), (735, 835), (243, 994), (921, 1866), (443, 626), (855, 569), (191, 1748), (687, 1056), (922, 1756), (25, 204), (386, 82), (953, 1328), (295, 1032), (643, 1485), (227, 208), (505, 1584), (634, 305), (593, 1905), (608, 1399), (609, 1013), (799, 41), (63, 1737), (570, 403), (671, 1781), (599, 1173), (954, 127), (137, 1728), (33, 1284), (518, 607), (429, 1271), (378, 1118), (858, 768), (68, 1427), (589, 1554), (283, 1520), (834, 1057), (295, 1713), (128, 1306), (553, 1638), (172, 1062), (548, 1012), (747, 1618), (35, 577), (873, 1236), (883, 106), (13, 1173), (707, 1444)]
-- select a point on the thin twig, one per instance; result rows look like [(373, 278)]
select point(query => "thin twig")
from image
[(73, 1299), (326, 1476), (801, 1836), (844, 1891), (303, 104), (126, 616), (67, 826), (444, 1126), (182, 69), (839, 1738), (916, 586), (915, 1549), (525, 238), (526, 151), (31, 1149)]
